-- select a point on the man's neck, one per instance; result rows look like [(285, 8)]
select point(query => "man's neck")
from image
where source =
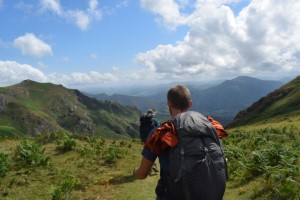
[(176, 112)]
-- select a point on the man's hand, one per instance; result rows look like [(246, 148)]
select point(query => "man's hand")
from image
[(144, 169)]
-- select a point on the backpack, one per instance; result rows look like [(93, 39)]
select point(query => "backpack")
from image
[(146, 125), (197, 166)]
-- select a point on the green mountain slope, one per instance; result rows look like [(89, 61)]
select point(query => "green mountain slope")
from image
[(283, 102), (32, 108)]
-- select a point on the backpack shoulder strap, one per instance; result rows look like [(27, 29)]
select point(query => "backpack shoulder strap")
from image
[(219, 128), (162, 138)]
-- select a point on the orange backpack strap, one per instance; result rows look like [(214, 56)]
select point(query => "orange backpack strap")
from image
[(170, 137), (219, 128), (162, 138)]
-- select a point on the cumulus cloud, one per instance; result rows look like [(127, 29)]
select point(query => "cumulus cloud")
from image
[(168, 10), (81, 18), (52, 5), (260, 40), (12, 72), (30, 45), (78, 78)]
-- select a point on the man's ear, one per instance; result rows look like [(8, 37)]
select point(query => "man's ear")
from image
[(169, 104), (190, 103)]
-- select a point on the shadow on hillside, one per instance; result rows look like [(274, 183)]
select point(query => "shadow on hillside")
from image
[(117, 180)]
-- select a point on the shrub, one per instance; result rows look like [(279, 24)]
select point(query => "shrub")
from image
[(123, 143), (112, 154), (49, 137), (85, 149), (64, 188), (99, 147), (5, 162), (269, 153), (67, 144), (29, 153)]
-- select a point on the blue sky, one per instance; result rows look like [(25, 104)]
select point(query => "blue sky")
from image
[(91, 43)]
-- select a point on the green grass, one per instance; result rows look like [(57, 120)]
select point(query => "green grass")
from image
[(8, 132), (263, 160), (89, 170), (275, 122), (93, 178)]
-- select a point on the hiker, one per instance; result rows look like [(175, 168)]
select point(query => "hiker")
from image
[(192, 162), (148, 122)]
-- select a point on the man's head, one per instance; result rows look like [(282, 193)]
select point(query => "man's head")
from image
[(179, 98), (149, 111)]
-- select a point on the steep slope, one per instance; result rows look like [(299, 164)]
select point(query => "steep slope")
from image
[(32, 108), (284, 101), (225, 100)]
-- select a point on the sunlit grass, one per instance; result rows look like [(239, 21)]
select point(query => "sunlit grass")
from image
[(93, 179)]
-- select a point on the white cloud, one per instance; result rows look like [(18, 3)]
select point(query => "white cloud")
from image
[(78, 78), (168, 10), (262, 40), (82, 18), (30, 45), (12, 72), (93, 10), (52, 5)]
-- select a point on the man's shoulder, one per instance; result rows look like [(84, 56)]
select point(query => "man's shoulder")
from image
[(189, 115)]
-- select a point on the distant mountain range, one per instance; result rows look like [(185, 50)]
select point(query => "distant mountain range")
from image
[(32, 108), (142, 103), (283, 102), (222, 101), (225, 100)]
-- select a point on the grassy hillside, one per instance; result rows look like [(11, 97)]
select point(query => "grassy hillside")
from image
[(263, 164), (86, 168), (263, 147), (33, 108), (283, 103)]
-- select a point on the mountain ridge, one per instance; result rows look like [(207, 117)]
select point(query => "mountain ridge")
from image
[(34, 108), (222, 101), (283, 101)]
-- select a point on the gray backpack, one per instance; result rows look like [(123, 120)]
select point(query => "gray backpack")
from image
[(197, 166)]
